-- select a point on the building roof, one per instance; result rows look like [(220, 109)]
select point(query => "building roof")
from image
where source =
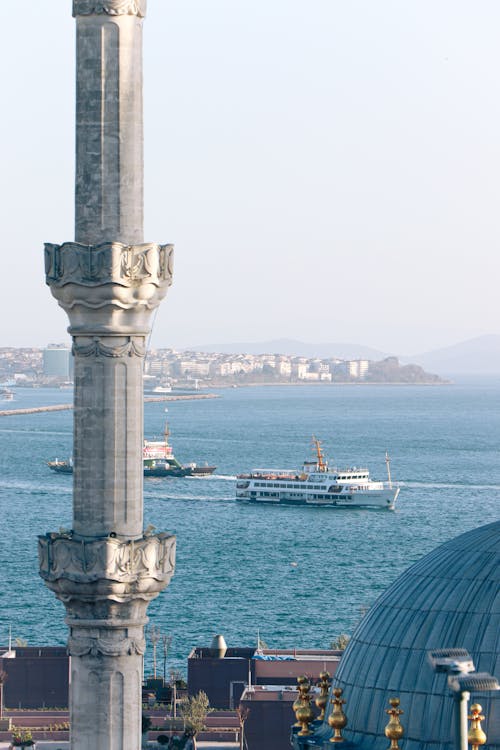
[(450, 598)]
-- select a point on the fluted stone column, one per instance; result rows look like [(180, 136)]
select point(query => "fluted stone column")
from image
[(109, 130), (106, 569)]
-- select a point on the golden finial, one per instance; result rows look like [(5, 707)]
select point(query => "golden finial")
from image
[(476, 735), (322, 699), (337, 718), (302, 707), (394, 729), (298, 702)]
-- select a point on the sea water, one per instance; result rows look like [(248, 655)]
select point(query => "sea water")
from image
[(299, 576)]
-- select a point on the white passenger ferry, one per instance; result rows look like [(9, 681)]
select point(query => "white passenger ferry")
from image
[(316, 484)]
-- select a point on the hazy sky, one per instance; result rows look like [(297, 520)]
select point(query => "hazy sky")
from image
[(328, 171)]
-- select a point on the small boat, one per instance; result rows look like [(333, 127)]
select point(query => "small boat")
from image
[(165, 388), (318, 485), (62, 467), (158, 461), (6, 394), (200, 471)]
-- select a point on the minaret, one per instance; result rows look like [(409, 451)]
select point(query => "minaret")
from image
[(106, 569)]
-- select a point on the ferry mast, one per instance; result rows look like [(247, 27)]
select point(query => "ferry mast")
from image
[(322, 464)]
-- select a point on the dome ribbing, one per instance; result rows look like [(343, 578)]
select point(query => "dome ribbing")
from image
[(449, 598)]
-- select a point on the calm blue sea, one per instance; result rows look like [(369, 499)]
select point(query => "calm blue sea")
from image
[(234, 567)]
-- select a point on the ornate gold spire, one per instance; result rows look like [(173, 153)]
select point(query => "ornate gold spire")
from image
[(302, 707), (394, 729), (298, 701), (337, 719), (476, 735), (322, 699)]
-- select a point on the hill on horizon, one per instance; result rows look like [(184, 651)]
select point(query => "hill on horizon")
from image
[(476, 356), (294, 348)]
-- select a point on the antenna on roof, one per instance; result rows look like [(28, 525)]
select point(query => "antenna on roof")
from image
[(259, 642), (388, 464)]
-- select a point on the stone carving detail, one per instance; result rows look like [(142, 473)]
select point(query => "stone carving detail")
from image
[(108, 263), (110, 7), (135, 347), (83, 646), (108, 559), (110, 274)]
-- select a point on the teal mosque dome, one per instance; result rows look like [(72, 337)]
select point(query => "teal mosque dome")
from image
[(448, 599)]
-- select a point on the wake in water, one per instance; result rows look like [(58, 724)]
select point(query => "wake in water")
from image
[(36, 489), (195, 498), (449, 486)]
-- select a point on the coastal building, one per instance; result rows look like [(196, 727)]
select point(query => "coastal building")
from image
[(224, 677), (57, 361), (226, 369), (269, 717), (24, 363), (340, 370), (158, 368), (214, 367), (283, 367), (357, 368), (222, 369), (315, 364), (36, 677), (312, 377), (299, 369), (255, 364), (194, 368)]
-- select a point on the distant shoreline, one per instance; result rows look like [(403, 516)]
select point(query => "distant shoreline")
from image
[(68, 407), (329, 385)]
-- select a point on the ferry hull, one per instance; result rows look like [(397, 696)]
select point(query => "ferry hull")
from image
[(161, 471), (374, 499), (61, 467), (156, 471)]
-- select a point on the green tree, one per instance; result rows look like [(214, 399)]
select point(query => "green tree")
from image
[(340, 642), (22, 738), (194, 711)]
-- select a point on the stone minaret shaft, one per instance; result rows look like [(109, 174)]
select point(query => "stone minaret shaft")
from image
[(106, 569), (109, 131)]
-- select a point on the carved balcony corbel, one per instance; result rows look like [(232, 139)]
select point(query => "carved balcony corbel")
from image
[(110, 7)]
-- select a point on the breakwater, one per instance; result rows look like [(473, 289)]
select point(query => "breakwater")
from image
[(67, 407)]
